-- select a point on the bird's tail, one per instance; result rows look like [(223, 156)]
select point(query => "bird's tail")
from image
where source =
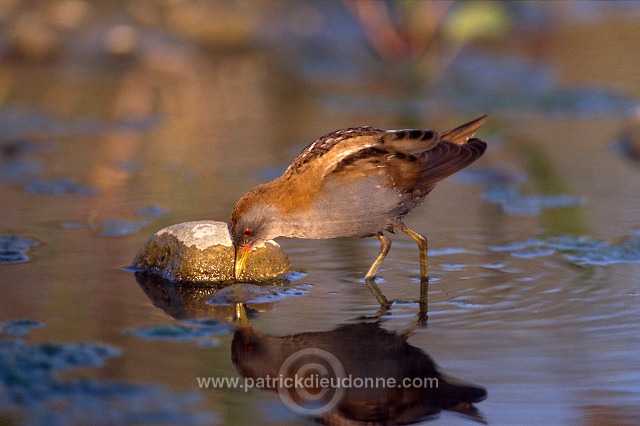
[(461, 134)]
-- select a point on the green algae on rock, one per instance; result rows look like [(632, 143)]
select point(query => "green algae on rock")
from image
[(202, 252)]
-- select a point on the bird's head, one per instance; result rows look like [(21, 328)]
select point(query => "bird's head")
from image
[(249, 229), (245, 237)]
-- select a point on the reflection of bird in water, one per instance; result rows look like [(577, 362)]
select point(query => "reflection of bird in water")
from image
[(357, 182), (364, 350)]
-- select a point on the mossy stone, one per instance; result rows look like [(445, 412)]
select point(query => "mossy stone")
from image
[(202, 251)]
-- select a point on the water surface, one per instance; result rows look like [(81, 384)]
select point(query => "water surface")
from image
[(535, 249)]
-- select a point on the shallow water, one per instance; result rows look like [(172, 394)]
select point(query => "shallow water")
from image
[(534, 250)]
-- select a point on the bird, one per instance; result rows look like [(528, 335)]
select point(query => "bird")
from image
[(354, 182), (360, 351)]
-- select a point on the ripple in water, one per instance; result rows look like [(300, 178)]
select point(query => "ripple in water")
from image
[(14, 249), (579, 250), (200, 330), (119, 227), (515, 203)]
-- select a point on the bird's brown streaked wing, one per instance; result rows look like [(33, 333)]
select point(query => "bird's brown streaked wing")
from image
[(461, 134), (331, 144), (448, 158), (342, 144), (402, 169), (412, 141)]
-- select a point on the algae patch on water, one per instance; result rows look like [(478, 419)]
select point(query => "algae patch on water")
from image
[(32, 391)]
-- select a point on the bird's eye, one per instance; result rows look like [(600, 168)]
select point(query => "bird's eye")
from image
[(247, 232)]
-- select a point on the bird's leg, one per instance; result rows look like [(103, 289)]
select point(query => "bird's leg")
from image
[(385, 244), (422, 246)]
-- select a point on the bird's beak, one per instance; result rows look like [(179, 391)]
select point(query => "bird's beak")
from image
[(241, 254)]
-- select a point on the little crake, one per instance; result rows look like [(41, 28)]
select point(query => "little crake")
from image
[(357, 182)]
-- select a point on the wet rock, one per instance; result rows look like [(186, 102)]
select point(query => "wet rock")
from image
[(202, 252), (215, 300)]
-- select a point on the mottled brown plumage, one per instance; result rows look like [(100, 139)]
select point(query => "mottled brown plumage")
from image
[(356, 182)]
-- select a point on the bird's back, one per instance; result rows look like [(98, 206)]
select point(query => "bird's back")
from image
[(387, 150), (360, 181)]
